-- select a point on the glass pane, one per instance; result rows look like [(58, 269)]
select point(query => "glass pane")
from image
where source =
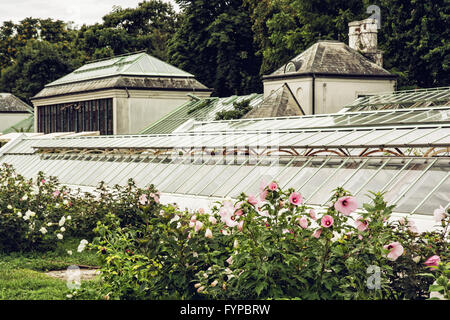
[(440, 197), (301, 177), (180, 174), (208, 181), (391, 135), (405, 180), (215, 182), (191, 185), (266, 170), (422, 188), (436, 136), (320, 177), (326, 191), (151, 170), (412, 137)]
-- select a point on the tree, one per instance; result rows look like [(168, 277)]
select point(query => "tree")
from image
[(37, 64), (285, 28), (414, 36), (215, 42), (15, 36), (239, 110), (147, 27)]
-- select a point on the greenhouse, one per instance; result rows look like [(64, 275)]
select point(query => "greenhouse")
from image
[(402, 152)]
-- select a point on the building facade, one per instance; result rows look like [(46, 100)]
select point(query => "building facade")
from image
[(330, 74), (120, 95), (12, 111)]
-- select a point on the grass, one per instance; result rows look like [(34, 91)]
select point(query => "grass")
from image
[(22, 275)]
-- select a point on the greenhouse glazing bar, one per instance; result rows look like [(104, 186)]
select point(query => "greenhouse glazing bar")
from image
[(430, 193)]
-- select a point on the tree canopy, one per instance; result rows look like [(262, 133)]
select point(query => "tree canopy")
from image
[(228, 45)]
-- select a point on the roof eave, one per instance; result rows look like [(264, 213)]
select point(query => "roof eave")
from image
[(329, 75), (123, 88)]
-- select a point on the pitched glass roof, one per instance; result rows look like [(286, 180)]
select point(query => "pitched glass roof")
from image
[(335, 120), (415, 185), (402, 99), (423, 136), (140, 64), (198, 109)]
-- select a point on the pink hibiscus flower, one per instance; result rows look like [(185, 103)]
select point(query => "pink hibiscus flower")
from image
[(303, 222), (227, 214), (143, 199), (439, 214), (212, 220), (361, 224), (317, 233), (433, 261), (252, 200), (295, 198), (273, 186), (327, 221), (263, 195), (312, 214), (208, 233), (395, 250), (346, 205), (198, 226)]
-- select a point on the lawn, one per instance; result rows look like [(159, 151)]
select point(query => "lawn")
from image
[(22, 275)]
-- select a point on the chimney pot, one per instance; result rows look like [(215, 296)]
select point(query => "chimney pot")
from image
[(363, 37)]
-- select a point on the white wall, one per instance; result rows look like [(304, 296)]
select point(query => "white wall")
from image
[(133, 110), (143, 108), (10, 119), (331, 94)]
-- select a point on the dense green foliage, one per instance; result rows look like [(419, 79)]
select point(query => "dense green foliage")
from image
[(269, 246), (228, 45), (215, 42), (239, 110)]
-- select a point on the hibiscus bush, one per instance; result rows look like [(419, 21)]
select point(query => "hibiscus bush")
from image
[(288, 250), (269, 246), (265, 246), (159, 258), (37, 213), (33, 213), (89, 207)]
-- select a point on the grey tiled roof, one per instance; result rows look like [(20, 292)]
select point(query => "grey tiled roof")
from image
[(10, 103), (331, 57)]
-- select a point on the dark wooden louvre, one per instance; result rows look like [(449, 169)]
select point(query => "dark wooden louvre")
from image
[(93, 115)]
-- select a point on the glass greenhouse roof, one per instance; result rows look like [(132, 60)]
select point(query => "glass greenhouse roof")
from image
[(198, 109), (415, 185), (403, 99), (423, 136), (335, 120), (138, 64)]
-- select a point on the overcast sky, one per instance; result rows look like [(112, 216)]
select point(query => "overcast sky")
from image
[(78, 11)]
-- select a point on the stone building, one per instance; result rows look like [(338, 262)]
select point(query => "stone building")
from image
[(330, 74), (12, 111), (119, 95)]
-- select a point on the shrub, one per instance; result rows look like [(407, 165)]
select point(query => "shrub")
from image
[(268, 247), (31, 215)]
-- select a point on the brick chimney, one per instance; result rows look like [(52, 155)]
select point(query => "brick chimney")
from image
[(363, 37)]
